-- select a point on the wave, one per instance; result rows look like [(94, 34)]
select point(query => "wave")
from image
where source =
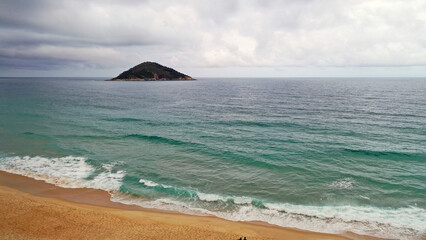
[(149, 183), (373, 153), (36, 135), (192, 146), (154, 138), (67, 172), (406, 223), (151, 138), (76, 172), (211, 151), (208, 150), (263, 124), (123, 119), (191, 193), (145, 121), (107, 107), (232, 123), (346, 183)]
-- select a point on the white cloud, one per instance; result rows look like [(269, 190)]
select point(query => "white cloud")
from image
[(274, 34)]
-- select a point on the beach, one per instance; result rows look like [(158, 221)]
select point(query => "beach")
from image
[(33, 209), (213, 120)]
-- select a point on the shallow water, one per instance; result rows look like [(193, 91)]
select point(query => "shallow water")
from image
[(326, 155)]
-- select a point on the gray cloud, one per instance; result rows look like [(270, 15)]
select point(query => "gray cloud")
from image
[(212, 34)]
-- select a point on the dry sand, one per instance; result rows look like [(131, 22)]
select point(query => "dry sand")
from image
[(31, 209)]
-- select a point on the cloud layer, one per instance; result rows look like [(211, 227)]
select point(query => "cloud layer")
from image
[(49, 35)]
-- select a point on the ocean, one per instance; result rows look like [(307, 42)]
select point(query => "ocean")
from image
[(321, 154)]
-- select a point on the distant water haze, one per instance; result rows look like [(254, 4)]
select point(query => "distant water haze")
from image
[(328, 155)]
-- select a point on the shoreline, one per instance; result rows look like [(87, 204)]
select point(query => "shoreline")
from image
[(21, 194)]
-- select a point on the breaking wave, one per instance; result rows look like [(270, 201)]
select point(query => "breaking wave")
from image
[(76, 172), (67, 172)]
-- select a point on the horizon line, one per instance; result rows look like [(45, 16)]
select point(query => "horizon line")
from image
[(223, 77)]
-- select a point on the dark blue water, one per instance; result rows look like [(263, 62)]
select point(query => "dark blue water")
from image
[(329, 155)]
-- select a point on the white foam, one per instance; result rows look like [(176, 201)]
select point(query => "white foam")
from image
[(148, 183), (403, 218), (242, 200), (167, 204), (74, 172), (68, 172), (108, 180), (364, 197), (208, 197), (403, 223), (211, 197), (346, 183)]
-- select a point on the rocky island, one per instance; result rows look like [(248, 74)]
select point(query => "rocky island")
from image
[(151, 71)]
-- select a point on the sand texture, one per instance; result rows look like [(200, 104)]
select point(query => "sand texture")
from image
[(41, 215)]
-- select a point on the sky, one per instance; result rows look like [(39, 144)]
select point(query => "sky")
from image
[(220, 38)]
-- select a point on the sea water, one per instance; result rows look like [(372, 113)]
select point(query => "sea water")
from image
[(322, 154)]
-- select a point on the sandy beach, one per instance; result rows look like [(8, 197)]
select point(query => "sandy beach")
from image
[(32, 209)]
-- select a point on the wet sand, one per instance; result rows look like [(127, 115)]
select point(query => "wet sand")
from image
[(32, 209)]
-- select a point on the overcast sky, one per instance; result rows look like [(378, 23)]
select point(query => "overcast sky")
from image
[(282, 38)]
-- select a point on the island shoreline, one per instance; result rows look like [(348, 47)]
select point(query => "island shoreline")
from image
[(151, 71), (93, 202)]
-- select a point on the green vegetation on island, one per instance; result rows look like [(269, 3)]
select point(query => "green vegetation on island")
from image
[(151, 71)]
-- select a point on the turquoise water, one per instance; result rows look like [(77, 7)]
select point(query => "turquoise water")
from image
[(327, 155)]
